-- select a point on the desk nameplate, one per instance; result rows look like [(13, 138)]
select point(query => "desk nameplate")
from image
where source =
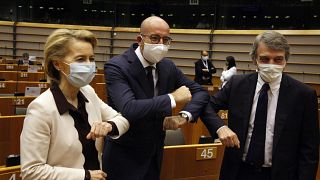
[(205, 153)]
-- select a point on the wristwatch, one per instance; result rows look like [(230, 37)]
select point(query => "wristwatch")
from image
[(87, 175), (185, 116)]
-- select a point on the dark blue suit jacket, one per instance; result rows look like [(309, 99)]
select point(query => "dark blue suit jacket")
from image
[(296, 131), (199, 74), (139, 151)]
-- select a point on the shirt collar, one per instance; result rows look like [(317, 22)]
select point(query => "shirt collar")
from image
[(61, 102), (274, 86), (141, 58)]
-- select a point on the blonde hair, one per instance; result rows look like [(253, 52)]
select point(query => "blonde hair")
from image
[(56, 48)]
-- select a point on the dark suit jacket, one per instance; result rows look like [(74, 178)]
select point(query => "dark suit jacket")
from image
[(296, 133), (199, 74), (139, 151)]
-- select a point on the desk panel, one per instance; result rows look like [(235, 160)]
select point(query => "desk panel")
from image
[(179, 162)]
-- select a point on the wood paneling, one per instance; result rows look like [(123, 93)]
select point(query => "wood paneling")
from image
[(10, 103), (10, 130), (10, 87), (10, 173), (22, 76), (179, 162)]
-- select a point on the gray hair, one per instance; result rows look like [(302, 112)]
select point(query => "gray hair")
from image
[(273, 40)]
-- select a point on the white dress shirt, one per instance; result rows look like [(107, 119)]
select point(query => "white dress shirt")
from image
[(273, 95)]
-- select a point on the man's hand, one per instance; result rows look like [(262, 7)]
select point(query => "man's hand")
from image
[(99, 129), (182, 95), (228, 137), (173, 122), (97, 175)]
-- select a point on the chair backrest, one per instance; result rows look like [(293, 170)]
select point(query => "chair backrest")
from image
[(174, 137), (21, 111)]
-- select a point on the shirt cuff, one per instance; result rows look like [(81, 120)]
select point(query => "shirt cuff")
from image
[(188, 114), (173, 102), (220, 128), (114, 131)]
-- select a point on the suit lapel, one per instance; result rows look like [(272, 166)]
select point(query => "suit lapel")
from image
[(163, 74), (138, 72), (282, 106), (247, 102)]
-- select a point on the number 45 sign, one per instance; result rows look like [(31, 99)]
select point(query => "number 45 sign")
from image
[(205, 153)]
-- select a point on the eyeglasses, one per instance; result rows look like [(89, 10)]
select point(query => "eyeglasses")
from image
[(155, 39)]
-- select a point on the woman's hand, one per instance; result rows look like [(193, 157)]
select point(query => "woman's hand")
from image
[(99, 129), (97, 175)]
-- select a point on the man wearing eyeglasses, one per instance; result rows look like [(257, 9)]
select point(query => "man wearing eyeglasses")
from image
[(145, 86)]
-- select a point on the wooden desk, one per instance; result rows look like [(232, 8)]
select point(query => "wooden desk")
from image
[(193, 131), (180, 162), (100, 89), (100, 71), (10, 87), (211, 89), (22, 76), (10, 173), (13, 67), (8, 61), (10, 130), (9, 103), (98, 78)]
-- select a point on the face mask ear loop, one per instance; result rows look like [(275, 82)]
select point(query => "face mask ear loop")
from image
[(62, 71)]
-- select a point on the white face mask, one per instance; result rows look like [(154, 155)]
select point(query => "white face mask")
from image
[(205, 58), (154, 53), (81, 74), (270, 72)]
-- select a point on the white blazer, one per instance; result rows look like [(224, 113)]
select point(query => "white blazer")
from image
[(49, 143), (227, 74)]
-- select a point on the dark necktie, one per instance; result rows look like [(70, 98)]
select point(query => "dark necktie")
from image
[(150, 79), (256, 148)]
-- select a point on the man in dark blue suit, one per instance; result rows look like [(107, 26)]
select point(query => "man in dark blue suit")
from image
[(144, 86), (274, 116)]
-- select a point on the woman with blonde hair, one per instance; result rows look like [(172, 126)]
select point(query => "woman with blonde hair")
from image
[(62, 136)]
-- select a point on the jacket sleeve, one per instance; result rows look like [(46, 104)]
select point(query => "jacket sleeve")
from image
[(34, 147), (124, 99), (109, 114), (217, 102), (309, 142), (200, 97)]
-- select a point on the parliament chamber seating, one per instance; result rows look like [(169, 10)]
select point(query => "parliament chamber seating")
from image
[(10, 87), (22, 76), (9, 104), (10, 129), (184, 52)]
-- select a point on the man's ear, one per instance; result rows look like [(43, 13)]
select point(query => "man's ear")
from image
[(139, 40)]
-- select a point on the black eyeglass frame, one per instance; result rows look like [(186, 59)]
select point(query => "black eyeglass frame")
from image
[(155, 38)]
